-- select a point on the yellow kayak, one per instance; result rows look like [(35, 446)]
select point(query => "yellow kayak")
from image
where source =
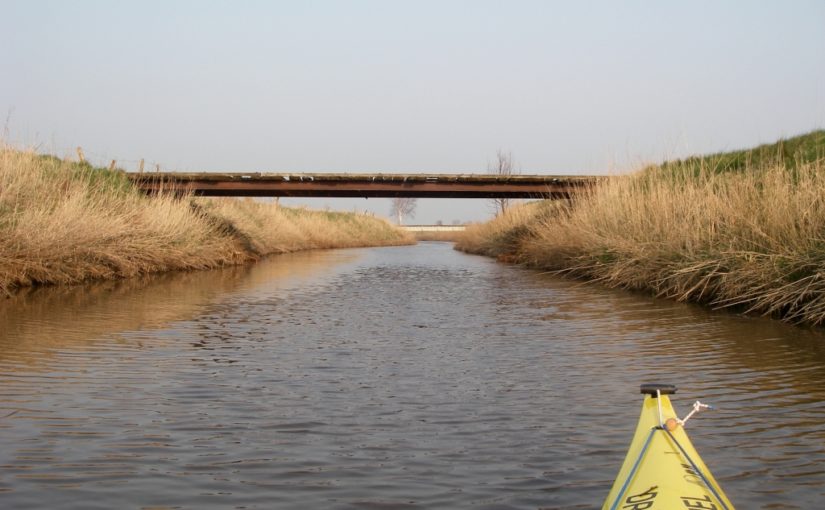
[(662, 469)]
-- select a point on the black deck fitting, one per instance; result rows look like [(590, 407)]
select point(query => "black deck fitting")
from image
[(664, 389)]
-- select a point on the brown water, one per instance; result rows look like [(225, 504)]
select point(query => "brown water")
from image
[(412, 377)]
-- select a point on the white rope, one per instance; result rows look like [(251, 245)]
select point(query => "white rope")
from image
[(697, 406)]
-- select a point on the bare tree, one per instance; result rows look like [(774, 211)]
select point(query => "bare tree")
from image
[(403, 207), (502, 166)]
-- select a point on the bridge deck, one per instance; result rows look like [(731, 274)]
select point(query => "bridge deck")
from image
[(364, 185), (434, 228)]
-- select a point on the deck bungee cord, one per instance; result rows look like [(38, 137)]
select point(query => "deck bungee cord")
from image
[(633, 470), (699, 472)]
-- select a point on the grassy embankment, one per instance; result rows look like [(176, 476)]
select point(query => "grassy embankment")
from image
[(64, 222), (449, 236), (743, 229)]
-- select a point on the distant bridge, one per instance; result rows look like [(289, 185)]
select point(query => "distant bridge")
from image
[(363, 185), (434, 228)]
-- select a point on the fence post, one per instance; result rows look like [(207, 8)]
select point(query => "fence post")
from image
[(140, 168)]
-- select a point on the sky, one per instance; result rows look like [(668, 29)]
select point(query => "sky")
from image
[(568, 88)]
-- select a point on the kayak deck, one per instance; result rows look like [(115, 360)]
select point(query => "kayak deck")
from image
[(662, 468)]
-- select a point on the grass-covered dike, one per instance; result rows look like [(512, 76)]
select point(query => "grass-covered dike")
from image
[(67, 222), (742, 230)]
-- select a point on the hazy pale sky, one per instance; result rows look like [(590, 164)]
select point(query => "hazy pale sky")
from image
[(418, 86)]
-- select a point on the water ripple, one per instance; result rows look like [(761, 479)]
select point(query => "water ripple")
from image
[(386, 378)]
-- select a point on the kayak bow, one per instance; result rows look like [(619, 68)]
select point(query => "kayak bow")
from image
[(662, 469)]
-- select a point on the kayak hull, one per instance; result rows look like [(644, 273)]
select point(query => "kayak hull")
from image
[(662, 468)]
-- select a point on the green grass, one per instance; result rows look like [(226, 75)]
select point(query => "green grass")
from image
[(98, 178), (789, 153)]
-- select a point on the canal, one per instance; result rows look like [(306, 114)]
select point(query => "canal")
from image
[(388, 378)]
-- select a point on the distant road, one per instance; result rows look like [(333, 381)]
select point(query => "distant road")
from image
[(434, 228)]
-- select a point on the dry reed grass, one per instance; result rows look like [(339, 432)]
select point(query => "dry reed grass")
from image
[(446, 236), (503, 236), (752, 239), (63, 222), (266, 228)]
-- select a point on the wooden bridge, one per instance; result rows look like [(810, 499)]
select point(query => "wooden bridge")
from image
[(433, 228), (363, 185)]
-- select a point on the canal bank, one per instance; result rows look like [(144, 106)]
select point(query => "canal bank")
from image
[(740, 230), (413, 376), (64, 222)]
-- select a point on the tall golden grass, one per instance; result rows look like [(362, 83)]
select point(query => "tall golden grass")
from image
[(449, 236), (504, 236), (265, 228), (752, 239), (63, 222)]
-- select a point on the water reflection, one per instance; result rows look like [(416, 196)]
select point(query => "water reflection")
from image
[(35, 322), (385, 378)]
